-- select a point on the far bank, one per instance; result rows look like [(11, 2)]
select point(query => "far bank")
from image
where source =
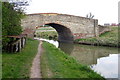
[(109, 39)]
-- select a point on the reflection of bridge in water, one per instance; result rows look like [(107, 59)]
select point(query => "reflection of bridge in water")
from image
[(87, 54)]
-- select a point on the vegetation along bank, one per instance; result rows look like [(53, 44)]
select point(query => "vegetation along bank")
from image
[(17, 65), (106, 39), (57, 64), (11, 22)]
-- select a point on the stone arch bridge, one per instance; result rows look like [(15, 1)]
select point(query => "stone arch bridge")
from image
[(69, 27)]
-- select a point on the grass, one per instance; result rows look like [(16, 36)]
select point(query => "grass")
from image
[(106, 39), (57, 64), (17, 65), (48, 35), (45, 28)]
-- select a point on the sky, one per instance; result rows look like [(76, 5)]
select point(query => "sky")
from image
[(106, 11)]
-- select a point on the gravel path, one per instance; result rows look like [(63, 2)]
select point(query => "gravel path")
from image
[(35, 69)]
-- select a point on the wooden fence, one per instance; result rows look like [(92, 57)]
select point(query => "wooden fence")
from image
[(17, 44)]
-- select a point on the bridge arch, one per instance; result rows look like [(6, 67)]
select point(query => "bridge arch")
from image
[(69, 27), (64, 33)]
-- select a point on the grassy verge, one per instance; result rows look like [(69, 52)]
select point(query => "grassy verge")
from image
[(17, 65), (47, 35), (45, 28), (105, 39), (57, 64)]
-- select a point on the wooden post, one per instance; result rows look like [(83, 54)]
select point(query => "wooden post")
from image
[(16, 47), (19, 45), (24, 41), (11, 48)]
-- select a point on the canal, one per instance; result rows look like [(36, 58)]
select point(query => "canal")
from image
[(103, 60)]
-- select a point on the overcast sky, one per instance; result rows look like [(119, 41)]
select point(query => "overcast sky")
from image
[(106, 11)]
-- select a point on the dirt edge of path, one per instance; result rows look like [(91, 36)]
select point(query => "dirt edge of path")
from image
[(35, 69)]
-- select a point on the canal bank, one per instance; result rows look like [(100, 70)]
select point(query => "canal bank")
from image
[(56, 64), (99, 53), (109, 39), (103, 60), (18, 65)]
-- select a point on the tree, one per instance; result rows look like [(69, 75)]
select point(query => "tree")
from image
[(11, 21), (90, 15)]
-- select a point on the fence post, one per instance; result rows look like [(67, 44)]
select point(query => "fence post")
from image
[(16, 45), (22, 42), (19, 45)]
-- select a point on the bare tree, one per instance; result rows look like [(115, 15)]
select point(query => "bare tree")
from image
[(90, 15)]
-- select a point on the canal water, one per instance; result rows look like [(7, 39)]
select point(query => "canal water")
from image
[(103, 60)]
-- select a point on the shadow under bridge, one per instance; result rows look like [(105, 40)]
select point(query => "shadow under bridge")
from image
[(64, 33)]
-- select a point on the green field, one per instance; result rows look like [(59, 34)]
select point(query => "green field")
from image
[(106, 39), (57, 64), (45, 28), (17, 65)]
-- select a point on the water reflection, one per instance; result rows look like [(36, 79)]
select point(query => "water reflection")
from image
[(85, 54), (50, 41), (107, 66), (103, 60), (66, 47), (89, 54)]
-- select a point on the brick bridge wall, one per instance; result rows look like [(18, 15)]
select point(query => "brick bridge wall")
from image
[(80, 27)]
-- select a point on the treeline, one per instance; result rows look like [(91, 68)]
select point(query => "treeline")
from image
[(11, 21)]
